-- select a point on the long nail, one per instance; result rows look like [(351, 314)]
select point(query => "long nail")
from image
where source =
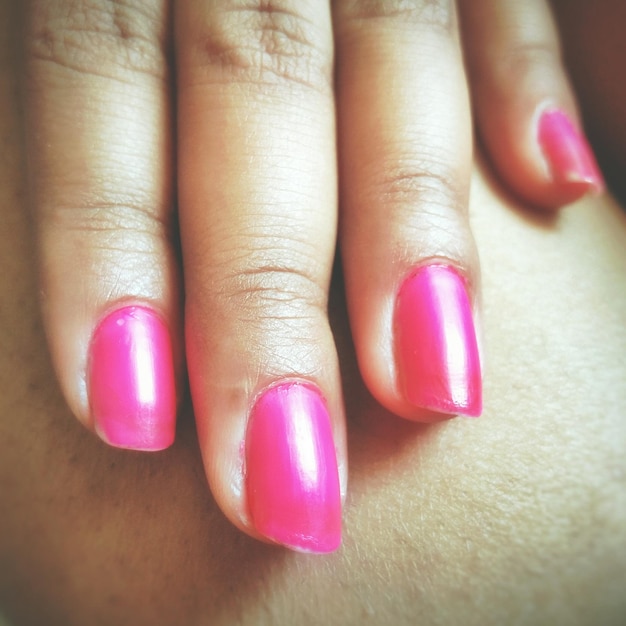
[(131, 380), (292, 480), (567, 152), (436, 343)]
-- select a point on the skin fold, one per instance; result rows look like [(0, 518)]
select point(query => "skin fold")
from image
[(516, 517)]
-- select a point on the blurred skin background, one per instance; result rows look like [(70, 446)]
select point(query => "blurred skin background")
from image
[(517, 517)]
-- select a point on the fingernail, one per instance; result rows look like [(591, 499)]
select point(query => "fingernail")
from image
[(292, 480), (436, 343), (567, 152), (131, 380)]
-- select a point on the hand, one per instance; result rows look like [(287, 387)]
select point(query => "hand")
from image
[(260, 116)]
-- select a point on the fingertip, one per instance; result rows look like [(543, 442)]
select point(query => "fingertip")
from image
[(570, 160), (524, 103), (420, 355), (542, 154)]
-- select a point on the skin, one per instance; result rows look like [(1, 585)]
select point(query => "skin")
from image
[(278, 130), (518, 516)]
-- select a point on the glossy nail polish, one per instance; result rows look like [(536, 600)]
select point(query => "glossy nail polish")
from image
[(436, 346), (131, 380), (292, 481), (567, 152)]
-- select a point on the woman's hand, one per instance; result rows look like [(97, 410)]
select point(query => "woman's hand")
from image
[(236, 115)]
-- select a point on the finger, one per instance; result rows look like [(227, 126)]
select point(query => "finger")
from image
[(98, 147), (258, 220), (408, 253), (524, 104)]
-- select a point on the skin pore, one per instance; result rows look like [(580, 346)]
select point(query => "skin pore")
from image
[(518, 516)]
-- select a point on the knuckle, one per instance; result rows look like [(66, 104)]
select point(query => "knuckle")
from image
[(422, 185), (266, 43), (112, 39), (266, 285), (438, 15), (109, 220), (277, 303), (121, 248), (523, 58), (427, 209)]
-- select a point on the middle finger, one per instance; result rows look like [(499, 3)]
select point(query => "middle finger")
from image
[(257, 191)]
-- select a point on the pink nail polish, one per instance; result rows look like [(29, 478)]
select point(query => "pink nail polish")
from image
[(436, 343), (292, 480), (131, 380), (567, 152)]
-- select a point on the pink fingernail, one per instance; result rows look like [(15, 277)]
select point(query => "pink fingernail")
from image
[(131, 380), (436, 343), (567, 152), (292, 479)]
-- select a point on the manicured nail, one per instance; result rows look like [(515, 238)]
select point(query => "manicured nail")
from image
[(131, 380), (567, 152), (436, 343), (292, 480)]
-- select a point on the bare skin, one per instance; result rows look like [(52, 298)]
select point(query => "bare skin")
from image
[(517, 516)]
